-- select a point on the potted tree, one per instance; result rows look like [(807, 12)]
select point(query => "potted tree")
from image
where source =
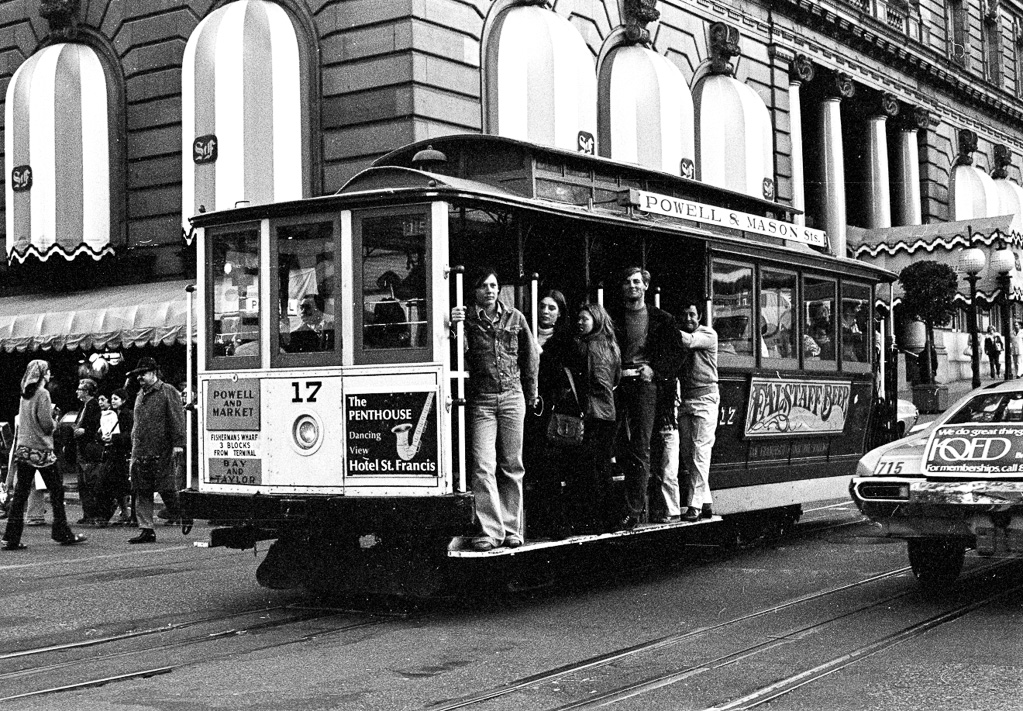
[(929, 288)]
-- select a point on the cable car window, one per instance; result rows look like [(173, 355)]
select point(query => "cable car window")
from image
[(392, 281), (732, 312), (234, 298), (856, 327), (306, 302), (819, 351), (777, 319)]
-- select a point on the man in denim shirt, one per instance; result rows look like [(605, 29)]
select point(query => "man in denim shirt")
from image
[(503, 363)]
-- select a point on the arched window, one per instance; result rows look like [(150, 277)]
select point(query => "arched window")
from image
[(538, 79), (244, 110), (57, 157), (645, 111), (733, 137)]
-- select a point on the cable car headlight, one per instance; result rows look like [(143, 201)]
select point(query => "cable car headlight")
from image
[(306, 433)]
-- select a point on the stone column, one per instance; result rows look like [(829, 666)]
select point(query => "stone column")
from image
[(800, 72), (906, 203), (833, 168), (878, 193)]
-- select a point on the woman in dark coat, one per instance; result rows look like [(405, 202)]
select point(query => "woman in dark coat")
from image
[(596, 368), (116, 453), (545, 510)]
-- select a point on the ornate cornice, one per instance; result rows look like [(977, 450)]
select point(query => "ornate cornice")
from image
[(865, 34)]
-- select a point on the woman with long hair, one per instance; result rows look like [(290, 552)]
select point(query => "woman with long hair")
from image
[(544, 469), (596, 368), (33, 451)]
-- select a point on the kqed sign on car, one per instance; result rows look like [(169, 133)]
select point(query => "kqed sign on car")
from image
[(989, 449)]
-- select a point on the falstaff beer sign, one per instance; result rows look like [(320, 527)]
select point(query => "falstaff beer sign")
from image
[(796, 407), (985, 449)]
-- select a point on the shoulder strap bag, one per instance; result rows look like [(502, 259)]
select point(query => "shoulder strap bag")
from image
[(566, 430)]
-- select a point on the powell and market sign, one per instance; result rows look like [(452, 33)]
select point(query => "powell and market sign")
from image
[(733, 219)]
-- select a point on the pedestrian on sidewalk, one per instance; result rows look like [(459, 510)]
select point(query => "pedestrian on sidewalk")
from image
[(88, 453), (157, 441), (34, 451), (993, 347)]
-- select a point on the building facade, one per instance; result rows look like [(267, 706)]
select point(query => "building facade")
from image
[(893, 125)]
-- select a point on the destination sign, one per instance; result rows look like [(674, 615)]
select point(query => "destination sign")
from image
[(733, 219), (985, 449), (232, 405), (796, 407)]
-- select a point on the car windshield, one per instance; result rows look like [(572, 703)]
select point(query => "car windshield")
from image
[(990, 407)]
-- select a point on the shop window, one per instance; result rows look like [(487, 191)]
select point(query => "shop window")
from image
[(777, 320), (393, 284), (308, 326), (819, 338), (856, 327), (234, 276), (732, 312)]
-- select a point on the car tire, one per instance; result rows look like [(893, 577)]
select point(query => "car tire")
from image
[(936, 562)]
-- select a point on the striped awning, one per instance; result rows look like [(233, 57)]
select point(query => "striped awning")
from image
[(972, 193), (734, 142), (646, 115), (57, 155), (108, 317), (243, 110), (540, 81)]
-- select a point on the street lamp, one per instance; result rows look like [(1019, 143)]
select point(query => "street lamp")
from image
[(971, 261), (1002, 262)]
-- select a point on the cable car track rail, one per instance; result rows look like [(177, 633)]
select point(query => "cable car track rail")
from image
[(651, 684), (60, 667)]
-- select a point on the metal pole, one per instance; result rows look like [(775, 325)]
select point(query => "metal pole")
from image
[(189, 403), (1006, 284), (460, 360), (534, 294), (974, 336)]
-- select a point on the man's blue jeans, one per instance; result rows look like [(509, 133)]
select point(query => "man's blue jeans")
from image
[(495, 426)]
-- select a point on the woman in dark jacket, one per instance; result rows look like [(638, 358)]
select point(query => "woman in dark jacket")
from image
[(596, 368), (116, 452), (88, 454), (546, 516)]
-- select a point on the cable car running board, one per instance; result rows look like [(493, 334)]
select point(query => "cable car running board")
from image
[(461, 546)]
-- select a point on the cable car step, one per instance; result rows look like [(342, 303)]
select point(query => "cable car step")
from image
[(461, 546)]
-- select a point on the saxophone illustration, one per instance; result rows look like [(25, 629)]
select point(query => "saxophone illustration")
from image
[(407, 450)]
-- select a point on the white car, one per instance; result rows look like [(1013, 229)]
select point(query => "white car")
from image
[(953, 485)]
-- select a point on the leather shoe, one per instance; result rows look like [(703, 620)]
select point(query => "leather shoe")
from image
[(146, 535), (628, 523), (480, 544), (75, 539), (12, 546), (512, 543), (667, 519), (706, 511), (690, 515)]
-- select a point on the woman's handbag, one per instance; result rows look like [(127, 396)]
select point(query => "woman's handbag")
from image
[(566, 430)]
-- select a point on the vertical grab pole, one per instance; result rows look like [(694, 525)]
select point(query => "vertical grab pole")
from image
[(600, 293), (189, 404), (534, 294), (657, 296), (460, 362)]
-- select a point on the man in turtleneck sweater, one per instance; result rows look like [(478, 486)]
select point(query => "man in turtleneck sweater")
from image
[(650, 344)]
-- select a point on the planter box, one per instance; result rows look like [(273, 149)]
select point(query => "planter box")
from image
[(930, 399)]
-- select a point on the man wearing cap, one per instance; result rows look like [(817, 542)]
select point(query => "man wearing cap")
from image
[(158, 437)]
